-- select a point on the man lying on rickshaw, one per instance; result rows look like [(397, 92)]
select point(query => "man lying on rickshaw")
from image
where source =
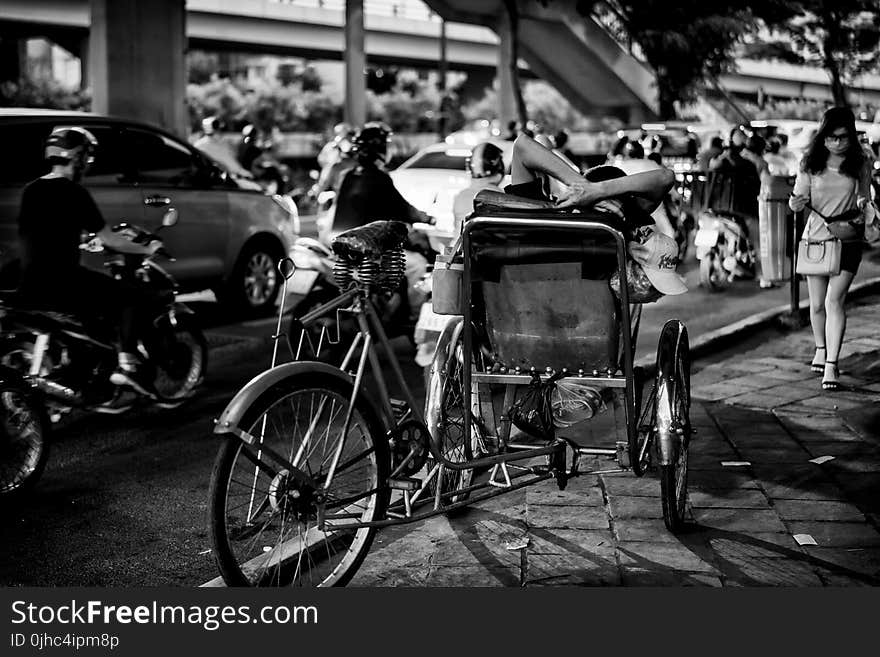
[(536, 173)]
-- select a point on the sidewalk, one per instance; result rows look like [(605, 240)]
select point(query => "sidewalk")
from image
[(761, 418)]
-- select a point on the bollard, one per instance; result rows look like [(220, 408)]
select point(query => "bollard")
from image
[(794, 319)]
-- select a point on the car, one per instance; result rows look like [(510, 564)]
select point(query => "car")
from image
[(230, 235), (432, 177), (678, 143)]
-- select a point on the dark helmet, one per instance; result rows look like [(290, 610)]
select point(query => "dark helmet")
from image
[(371, 143), (67, 143), (486, 160)]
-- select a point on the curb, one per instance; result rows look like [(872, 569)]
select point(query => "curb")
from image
[(712, 340)]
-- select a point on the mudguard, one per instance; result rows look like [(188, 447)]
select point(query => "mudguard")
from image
[(235, 409), (440, 373), (673, 337)]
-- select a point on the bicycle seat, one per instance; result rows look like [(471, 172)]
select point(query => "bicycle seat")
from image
[(370, 241)]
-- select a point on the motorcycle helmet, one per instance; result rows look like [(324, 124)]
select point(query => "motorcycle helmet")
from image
[(65, 144), (486, 160), (371, 143)]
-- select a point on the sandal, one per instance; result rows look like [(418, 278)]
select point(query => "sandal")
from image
[(817, 365), (831, 383)]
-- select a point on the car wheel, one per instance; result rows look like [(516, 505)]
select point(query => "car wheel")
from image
[(255, 281)]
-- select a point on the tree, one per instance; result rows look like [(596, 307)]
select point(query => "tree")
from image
[(843, 36), (688, 42)]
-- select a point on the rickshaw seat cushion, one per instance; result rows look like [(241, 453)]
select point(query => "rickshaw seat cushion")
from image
[(370, 241), (490, 203)]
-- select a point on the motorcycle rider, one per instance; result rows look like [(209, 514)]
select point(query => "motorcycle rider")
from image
[(335, 162), (367, 194), (55, 210), (212, 145)]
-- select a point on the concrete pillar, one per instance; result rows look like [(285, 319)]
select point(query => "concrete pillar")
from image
[(355, 111), (136, 62), (506, 97)]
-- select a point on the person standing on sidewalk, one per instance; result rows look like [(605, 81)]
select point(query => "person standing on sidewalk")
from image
[(834, 177)]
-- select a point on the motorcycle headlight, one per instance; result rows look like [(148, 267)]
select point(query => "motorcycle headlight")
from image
[(304, 258), (290, 208)]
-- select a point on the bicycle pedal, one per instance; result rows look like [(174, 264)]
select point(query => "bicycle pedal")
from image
[(405, 483)]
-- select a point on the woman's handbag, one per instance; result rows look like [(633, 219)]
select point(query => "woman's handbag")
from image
[(819, 258)]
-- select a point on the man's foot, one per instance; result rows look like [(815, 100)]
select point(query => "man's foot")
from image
[(135, 379), (817, 365)]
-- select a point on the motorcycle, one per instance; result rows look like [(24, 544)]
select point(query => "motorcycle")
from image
[(24, 434), (723, 249), (70, 359), (257, 155)]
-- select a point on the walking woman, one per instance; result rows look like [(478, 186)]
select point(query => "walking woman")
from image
[(834, 177)]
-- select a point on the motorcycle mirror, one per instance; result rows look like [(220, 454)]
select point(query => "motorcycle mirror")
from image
[(286, 268), (170, 217), (314, 174)]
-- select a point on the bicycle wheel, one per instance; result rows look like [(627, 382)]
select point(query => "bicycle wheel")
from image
[(672, 403), (24, 439), (453, 440), (264, 525)]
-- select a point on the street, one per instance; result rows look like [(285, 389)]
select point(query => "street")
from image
[(123, 499)]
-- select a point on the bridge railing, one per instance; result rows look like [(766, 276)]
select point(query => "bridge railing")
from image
[(408, 9)]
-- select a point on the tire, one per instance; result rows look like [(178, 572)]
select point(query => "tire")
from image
[(24, 439), (452, 439), (253, 287), (180, 359), (240, 545), (673, 401), (712, 275)]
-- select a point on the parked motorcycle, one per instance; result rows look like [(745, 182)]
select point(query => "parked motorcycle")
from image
[(70, 359), (723, 249)]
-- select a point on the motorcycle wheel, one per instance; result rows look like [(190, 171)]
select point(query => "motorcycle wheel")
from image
[(712, 274), (180, 359), (24, 439)]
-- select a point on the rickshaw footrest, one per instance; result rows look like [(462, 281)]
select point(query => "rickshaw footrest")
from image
[(405, 483)]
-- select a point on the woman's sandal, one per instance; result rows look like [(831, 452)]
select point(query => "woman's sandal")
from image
[(817, 365), (831, 383)]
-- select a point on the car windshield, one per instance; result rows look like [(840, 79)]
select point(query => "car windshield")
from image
[(439, 160)]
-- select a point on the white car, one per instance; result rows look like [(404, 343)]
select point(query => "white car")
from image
[(431, 178)]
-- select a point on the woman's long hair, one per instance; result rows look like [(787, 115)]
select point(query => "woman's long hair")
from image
[(816, 158)]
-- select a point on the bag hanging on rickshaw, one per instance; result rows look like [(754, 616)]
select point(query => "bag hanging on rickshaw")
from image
[(533, 411)]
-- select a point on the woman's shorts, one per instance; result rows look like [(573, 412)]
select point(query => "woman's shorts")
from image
[(850, 256)]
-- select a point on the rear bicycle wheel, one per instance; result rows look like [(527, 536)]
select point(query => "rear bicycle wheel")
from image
[(672, 403), (454, 440), (265, 526)]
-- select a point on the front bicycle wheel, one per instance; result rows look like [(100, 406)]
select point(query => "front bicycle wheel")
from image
[(267, 529), (672, 402)]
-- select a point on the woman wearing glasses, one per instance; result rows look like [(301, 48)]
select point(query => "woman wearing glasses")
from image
[(834, 177)]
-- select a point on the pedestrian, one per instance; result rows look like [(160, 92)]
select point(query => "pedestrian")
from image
[(834, 177), (715, 148)]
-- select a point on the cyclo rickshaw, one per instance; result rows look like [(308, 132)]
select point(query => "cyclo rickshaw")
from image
[(316, 458)]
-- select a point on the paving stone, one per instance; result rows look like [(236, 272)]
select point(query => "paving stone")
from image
[(730, 498), (637, 529), (862, 489), (594, 544), (578, 517), (862, 564), (788, 375), (754, 381), (570, 570), (740, 519), (815, 491), (838, 534), (385, 573), (453, 552), (472, 576), (817, 510), (844, 448), (635, 507), (719, 391), (721, 478), (649, 555), (548, 493), (845, 465), (787, 454), (629, 484), (770, 572)]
